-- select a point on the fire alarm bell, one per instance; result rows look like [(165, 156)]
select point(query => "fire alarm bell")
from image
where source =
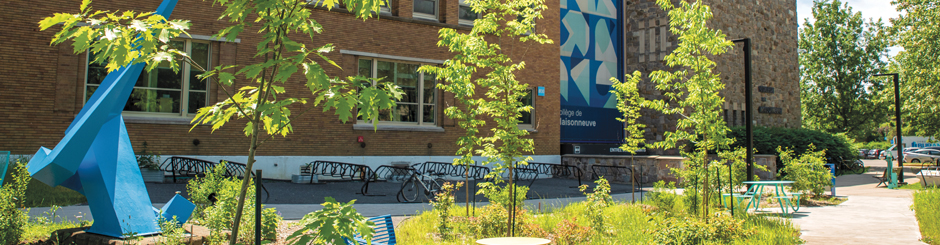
[(360, 139)]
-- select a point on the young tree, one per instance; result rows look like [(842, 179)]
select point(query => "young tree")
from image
[(841, 53), (122, 39), (917, 29), (690, 90), (480, 50)]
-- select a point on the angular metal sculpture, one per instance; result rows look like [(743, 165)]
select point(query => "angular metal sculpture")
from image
[(96, 159)]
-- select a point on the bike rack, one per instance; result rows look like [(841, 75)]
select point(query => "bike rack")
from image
[(237, 170), (344, 170), (603, 170), (186, 167), (389, 172), (535, 169), (475, 173)]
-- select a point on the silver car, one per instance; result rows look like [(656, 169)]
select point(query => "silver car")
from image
[(922, 155)]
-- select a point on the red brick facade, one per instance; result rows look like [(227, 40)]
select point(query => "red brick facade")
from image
[(41, 86)]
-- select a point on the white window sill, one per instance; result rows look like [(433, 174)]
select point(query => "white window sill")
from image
[(414, 128), (528, 127), (425, 17), (158, 120)]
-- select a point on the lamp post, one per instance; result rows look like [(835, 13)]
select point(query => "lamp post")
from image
[(748, 117), (748, 135), (899, 144)]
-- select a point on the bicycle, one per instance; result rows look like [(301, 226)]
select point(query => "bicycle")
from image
[(417, 182), (850, 167)]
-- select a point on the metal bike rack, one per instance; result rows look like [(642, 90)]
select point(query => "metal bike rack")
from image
[(534, 169), (604, 170), (342, 170), (237, 170), (186, 167)]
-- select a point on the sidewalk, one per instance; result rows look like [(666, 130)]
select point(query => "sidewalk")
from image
[(871, 215)]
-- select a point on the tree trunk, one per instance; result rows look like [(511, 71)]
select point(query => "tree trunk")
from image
[(245, 180)]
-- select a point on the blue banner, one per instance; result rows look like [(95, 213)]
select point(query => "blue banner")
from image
[(591, 54)]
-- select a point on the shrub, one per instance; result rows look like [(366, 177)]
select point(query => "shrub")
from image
[(689, 230), (597, 201), (766, 141), (808, 172), (220, 215), (331, 224), (12, 217), (444, 201)]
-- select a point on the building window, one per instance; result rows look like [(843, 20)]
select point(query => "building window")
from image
[(465, 14), (162, 91), (418, 103), (528, 100), (426, 9)]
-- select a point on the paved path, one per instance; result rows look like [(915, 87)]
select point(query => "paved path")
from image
[(870, 216)]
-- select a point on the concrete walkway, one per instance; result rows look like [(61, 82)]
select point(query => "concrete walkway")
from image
[(870, 216)]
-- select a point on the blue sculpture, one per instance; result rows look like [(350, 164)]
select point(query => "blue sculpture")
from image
[(96, 159)]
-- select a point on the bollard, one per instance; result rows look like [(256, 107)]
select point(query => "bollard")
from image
[(832, 171)]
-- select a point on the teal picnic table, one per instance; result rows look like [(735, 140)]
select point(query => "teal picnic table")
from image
[(785, 199)]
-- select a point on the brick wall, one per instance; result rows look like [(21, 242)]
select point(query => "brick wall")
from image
[(41, 86)]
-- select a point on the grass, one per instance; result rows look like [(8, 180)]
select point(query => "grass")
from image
[(40, 228), (624, 223), (40, 194), (927, 210)]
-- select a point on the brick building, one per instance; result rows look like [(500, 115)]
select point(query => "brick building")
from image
[(43, 87)]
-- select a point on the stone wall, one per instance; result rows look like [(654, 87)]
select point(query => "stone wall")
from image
[(772, 27), (653, 168)]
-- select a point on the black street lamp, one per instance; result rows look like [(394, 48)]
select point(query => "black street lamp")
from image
[(749, 130), (899, 144), (749, 134)]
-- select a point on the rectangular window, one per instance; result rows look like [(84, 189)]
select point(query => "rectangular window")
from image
[(419, 100), (426, 9), (465, 14), (528, 100), (162, 91)]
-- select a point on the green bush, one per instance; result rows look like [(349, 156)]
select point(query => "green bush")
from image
[(12, 216), (332, 224), (766, 141), (684, 229), (927, 211), (219, 217), (808, 171)]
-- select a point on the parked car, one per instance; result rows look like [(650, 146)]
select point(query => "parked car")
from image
[(909, 149), (922, 156), (872, 154), (862, 153)]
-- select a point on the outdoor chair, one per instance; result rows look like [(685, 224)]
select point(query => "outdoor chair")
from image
[(384, 232)]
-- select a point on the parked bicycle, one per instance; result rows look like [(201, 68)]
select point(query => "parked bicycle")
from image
[(849, 166), (427, 183)]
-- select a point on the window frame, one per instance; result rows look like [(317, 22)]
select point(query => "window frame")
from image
[(184, 89), (462, 21), (424, 16), (420, 97), (531, 124)]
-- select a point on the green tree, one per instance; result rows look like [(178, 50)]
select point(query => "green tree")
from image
[(841, 52), (917, 30), (480, 50), (121, 39), (691, 90)]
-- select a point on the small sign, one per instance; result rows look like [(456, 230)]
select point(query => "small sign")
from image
[(765, 89), (577, 149), (770, 110), (541, 91)]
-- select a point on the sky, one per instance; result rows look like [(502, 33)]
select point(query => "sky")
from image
[(870, 9)]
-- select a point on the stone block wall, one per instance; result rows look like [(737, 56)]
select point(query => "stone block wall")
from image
[(771, 26), (650, 169)]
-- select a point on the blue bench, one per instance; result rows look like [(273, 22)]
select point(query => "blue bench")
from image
[(384, 232)]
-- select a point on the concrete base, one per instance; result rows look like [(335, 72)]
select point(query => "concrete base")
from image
[(303, 179)]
